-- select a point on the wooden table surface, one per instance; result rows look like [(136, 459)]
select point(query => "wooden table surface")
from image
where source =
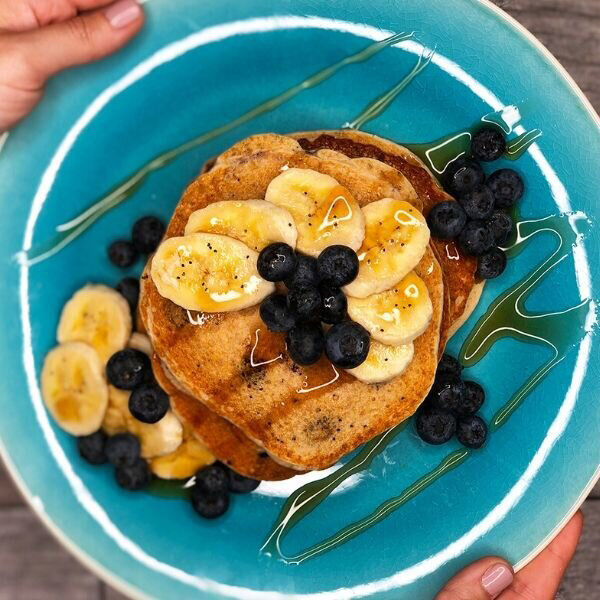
[(33, 566)]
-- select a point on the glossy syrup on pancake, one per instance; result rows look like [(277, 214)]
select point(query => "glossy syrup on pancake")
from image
[(275, 403), (459, 269)]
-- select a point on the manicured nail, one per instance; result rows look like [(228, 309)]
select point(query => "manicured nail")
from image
[(123, 13), (496, 579)]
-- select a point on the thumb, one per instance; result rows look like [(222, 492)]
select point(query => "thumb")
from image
[(482, 580), (84, 38)]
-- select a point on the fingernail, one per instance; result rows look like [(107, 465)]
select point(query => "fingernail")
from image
[(123, 13), (496, 579)]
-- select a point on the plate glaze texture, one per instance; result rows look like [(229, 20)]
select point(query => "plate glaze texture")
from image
[(201, 68)]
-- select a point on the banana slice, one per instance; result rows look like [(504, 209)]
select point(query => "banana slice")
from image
[(184, 462), (324, 211), (255, 222), (397, 316), (117, 411), (208, 273), (383, 362), (98, 316), (140, 341), (395, 241), (74, 388), (157, 439)]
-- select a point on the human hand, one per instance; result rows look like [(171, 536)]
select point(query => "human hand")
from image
[(39, 38), (492, 577)]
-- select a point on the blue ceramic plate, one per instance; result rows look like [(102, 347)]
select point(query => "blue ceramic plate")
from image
[(199, 65)]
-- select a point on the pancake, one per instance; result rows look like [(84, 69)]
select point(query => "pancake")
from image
[(225, 441), (462, 289), (271, 403)]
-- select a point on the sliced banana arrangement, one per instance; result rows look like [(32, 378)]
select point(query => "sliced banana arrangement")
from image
[(74, 388), (395, 240), (325, 212), (98, 316), (256, 223), (396, 316), (208, 273)]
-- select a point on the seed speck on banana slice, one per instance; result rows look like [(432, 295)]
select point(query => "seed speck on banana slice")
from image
[(256, 223), (395, 240), (74, 388), (396, 316), (325, 212), (98, 316), (210, 273), (383, 362)]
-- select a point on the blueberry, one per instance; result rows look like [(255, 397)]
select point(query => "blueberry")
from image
[(447, 219), (338, 265), (478, 203), (463, 175), (448, 393), (471, 431), (347, 344), (491, 264), (275, 313), (333, 304), (238, 484), (306, 272), (129, 288), (128, 368), (507, 187), (92, 448), (304, 302), (488, 144), (476, 238), (135, 476), (435, 426), (147, 233), (148, 403), (122, 253), (213, 479), (209, 506), (276, 262), (305, 343), (472, 401), (501, 225), (448, 365), (122, 449)]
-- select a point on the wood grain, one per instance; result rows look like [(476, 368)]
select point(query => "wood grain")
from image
[(33, 566), (570, 29)]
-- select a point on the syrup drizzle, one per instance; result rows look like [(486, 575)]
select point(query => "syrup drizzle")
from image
[(253, 363), (71, 230), (506, 316), (305, 389)]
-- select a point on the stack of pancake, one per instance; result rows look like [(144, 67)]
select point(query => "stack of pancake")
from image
[(255, 413)]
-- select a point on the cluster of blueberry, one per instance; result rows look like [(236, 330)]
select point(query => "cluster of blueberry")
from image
[(478, 221), (129, 370), (314, 297), (209, 494), (146, 235), (121, 450), (450, 408)]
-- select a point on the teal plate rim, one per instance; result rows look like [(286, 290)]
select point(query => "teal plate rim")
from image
[(120, 584)]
